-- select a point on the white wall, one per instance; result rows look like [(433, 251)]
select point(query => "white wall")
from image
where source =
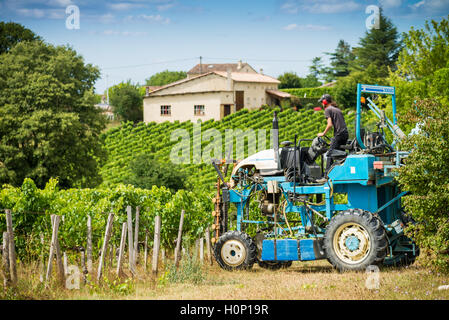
[(182, 106), (255, 95)]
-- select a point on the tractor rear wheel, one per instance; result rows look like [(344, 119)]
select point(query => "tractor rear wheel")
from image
[(355, 239), (235, 250)]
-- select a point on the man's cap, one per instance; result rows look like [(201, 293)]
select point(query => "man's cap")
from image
[(326, 97)]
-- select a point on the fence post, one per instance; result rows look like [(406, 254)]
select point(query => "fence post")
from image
[(55, 250), (104, 248), (89, 245), (145, 256), (83, 264), (42, 260), (64, 254), (201, 250), (59, 262), (5, 260), (130, 241), (156, 245), (208, 246), (12, 248), (122, 250), (179, 239), (136, 238)]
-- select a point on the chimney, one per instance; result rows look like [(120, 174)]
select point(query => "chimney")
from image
[(240, 65), (147, 91), (261, 71)]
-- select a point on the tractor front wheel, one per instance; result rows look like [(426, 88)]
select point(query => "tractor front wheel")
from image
[(355, 239), (235, 250)]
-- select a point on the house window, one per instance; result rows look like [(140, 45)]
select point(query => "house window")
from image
[(198, 110), (165, 110)]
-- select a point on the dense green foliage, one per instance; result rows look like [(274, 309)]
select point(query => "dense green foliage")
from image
[(13, 33), (126, 100), (423, 65), (340, 61), (126, 142), (426, 176), (31, 208), (165, 77), (310, 92), (146, 172), (49, 126), (289, 80)]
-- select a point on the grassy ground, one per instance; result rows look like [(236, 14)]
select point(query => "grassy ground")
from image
[(303, 280)]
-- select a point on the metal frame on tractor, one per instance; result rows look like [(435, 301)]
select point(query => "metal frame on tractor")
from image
[(366, 229)]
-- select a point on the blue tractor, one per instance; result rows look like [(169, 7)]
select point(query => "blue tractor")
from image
[(354, 219)]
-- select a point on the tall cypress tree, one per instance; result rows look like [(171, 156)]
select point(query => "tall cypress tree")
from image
[(340, 60), (379, 46)]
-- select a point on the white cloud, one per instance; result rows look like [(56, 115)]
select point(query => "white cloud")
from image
[(124, 33), (125, 6), (42, 13), (390, 3), (59, 3), (323, 6), (164, 7), (418, 4), (154, 18), (34, 13), (431, 6), (291, 27), (306, 27)]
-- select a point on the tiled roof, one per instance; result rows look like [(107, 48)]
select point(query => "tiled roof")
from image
[(248, 77), (236, 76), (210, 67)]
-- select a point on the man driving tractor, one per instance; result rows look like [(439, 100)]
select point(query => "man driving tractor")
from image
[(336, 120)]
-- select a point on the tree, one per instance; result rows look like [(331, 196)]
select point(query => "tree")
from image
[(340, 60), (423, 65), (165, 77), (318, 70), (126, 101), (147, 172), (310, 81), (289, 80), (426, 176), (380, 47), (13, 33), (49, 126)]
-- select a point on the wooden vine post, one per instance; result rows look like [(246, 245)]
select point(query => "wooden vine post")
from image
[(89, 245), (208, 246), (12, 248), (130, 241), (5, 260), (179, 240), (136, 238), (121, 250), (55, 250), (104, 248), (156, 245)]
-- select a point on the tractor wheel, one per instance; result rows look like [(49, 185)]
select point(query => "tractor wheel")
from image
[(274, 265), (355, 239), (235, 250)]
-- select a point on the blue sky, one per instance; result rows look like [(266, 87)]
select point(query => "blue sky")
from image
[(133, 39)]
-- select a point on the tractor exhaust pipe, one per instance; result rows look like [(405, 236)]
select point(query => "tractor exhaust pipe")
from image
[(275, 137)]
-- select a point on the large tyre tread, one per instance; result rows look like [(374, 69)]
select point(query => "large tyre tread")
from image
[(378, 234), (247, 242)]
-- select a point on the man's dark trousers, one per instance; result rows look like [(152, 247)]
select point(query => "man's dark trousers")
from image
[(337, 141)]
